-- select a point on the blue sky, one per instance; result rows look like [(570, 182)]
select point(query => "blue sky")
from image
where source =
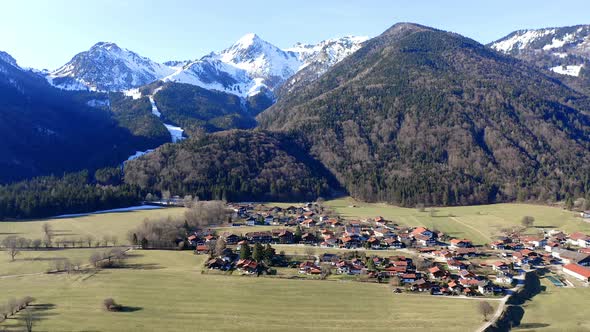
[(47, 33)]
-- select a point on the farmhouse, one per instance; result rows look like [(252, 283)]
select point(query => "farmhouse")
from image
[(577, 271), (461, 243), (571, 257), (579, 239)]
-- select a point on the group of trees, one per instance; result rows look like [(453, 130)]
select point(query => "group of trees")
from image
[(13, 244), (72, 193), (258, 252), (13, 306), (112, 258)]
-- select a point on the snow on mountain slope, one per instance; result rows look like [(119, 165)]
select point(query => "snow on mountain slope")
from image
[(107, 67), (252, 65), (328, 52), (246, 68), (562, 50), (7, 58), (568, 70)]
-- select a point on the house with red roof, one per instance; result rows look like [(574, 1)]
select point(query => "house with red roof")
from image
[(577, 271), (461, 243), (579, 239)]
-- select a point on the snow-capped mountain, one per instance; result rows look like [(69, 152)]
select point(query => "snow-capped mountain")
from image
[(8, 59), (564, 50), (107, 67), (252, 65)]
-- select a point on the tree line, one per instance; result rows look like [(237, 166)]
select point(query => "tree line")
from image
[(71, 193)]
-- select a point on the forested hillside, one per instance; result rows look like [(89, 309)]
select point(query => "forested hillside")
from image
[(44, 130), (420, 115), (194, 108), (233, 165)]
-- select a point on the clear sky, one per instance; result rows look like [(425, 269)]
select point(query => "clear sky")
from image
[(47, 33)]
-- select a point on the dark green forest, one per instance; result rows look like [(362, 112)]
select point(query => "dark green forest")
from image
[(72, 193)]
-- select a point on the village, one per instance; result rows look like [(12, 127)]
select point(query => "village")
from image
[(410, 259)]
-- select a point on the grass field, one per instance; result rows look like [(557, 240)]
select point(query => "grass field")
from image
[(557, 309), (478, 223), (98, 225), (163, 291), (39, 261)]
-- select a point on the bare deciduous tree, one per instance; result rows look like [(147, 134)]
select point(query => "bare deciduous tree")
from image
[(94, 259), (29, 320), (207, 213), (11, 245), (309, 251), (485, 309), (527, 221), (48, 232), (220, 246), (89, 238)]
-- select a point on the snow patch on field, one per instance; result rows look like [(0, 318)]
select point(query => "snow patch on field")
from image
[(127, 209)]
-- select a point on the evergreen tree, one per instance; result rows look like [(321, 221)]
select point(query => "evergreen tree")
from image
[(371, 264), (258, 253), (269, 253), (245, 251), (298, 233)]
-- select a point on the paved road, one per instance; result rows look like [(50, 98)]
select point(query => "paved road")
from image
[(502, 306)]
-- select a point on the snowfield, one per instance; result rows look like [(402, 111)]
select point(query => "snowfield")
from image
[(571, 70)]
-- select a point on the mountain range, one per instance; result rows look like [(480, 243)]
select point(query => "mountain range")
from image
[(414, 115), (248, 67)]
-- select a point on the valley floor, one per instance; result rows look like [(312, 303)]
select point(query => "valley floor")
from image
[(165, 290)]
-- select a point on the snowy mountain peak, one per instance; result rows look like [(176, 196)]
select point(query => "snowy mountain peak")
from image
[(543, 39), (107, 67), (247, 40), (249, 66), (252, 65), (108, 46), (564, 50), (8, 59)]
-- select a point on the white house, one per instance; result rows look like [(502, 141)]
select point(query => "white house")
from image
[(577, 271)]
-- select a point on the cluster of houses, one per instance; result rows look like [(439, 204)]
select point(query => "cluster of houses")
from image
[(453, 266)]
